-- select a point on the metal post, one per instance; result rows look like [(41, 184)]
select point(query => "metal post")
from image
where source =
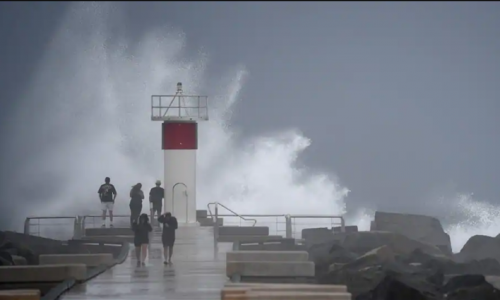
[(216, 230), (27, 226), (288, 221)]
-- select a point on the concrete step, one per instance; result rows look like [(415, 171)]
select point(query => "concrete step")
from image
[(206, 222), (270, 269), (286, 287), (274, 256), (201, 214), (286, 295), (108, 231), (110, 239), (243, 230), (247, 238)]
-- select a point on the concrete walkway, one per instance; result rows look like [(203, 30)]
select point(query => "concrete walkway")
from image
[(194, 274)]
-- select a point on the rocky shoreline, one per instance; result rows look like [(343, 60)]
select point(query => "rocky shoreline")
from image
[(405, 257)]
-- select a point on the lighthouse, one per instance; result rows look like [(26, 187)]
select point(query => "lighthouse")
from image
[(180, 115)]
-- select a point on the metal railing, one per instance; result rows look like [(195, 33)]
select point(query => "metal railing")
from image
[(45, 227), (292, 227), (217, 204)]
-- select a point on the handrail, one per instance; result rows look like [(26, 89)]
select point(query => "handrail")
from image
[(27, 224), (230, 210)]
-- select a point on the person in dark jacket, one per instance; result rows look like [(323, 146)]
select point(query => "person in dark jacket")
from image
[(168, 235), (156, 196), (141, 238), (136, 197)]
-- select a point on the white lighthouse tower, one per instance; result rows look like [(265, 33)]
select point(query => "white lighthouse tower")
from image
[(180, 115)]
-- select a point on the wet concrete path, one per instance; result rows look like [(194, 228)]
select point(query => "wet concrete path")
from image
[(194, 274)]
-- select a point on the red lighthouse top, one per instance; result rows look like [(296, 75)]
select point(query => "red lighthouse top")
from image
[(179, 107)]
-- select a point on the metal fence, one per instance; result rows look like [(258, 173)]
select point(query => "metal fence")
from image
[(290, 226), (60, 227)]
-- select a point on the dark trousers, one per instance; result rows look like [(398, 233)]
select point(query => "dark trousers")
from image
[(135, 212)]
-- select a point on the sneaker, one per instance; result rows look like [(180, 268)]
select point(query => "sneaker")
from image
[(143, 264), (165, 262), (138, 263), (111, 226), (103, 226)]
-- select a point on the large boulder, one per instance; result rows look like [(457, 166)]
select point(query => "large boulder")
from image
[(479, 247), (418, 227), (487, 266), (381, 278), (326, 254), (364, 241), (467, 287)]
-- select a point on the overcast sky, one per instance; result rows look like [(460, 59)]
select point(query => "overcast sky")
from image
[(400, 99)]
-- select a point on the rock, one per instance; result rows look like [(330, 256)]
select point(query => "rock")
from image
[(449, 266), (480, 247), (334, 267), (19, 260), (376, 256), (364, 241), (6, 259), (418, 227), (386, 281), (325, 254), (347, 229), (469, 287), (402, 286), (19, 250)]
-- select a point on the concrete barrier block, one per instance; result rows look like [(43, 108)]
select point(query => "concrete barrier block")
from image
[(207, 222), (286, 287), (288, 295), (42, 273), (270, 269), (110, 239), (246, 238), (108, 231), (244, 256), (90, 260), (242, 230), (20, 295), (201, 214)]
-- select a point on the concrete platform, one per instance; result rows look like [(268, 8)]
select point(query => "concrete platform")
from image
[(45, 273), (20, 295), (194, 275), (243, 230), (90, 260), (270, 269), (116, 231), (275, 256)]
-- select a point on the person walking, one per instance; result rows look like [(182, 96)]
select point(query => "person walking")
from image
[(156, 196), (107, 195), (168, 235), (141, 238), (136, 197)]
